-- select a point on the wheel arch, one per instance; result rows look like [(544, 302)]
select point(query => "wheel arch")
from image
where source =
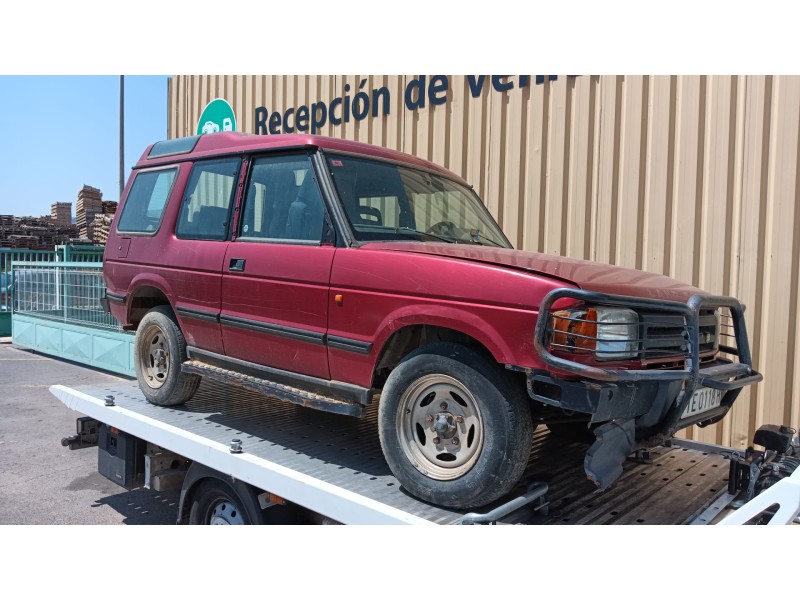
[(146, 295), (402, 335), (198, 474)]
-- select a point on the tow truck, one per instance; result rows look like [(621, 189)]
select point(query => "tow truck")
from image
[(240, 458)]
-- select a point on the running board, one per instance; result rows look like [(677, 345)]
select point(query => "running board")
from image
[(273, 389)]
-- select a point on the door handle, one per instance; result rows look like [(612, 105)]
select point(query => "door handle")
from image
[(236, 264)]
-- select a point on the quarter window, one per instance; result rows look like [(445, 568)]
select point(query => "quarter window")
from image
[(146, 200)]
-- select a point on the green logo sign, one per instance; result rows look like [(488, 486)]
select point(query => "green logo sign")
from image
[(217, 116)]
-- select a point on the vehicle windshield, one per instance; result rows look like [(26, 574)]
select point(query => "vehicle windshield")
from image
[(388, 202)]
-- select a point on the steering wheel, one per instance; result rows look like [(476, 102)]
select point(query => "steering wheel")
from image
[(445, 228)]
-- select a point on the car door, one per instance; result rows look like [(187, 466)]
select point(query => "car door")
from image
[(276, 273), (196, 253)]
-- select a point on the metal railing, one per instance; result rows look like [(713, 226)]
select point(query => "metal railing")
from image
[(68, 292), (62, 253)]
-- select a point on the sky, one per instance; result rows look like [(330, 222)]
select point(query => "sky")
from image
[(58, 133)]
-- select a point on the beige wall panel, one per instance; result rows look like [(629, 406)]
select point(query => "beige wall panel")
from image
[(477, 135), (580, 167), (394, 122), (695, 177), (605, 193), (779, 291), (459, 98), (536, 151), (658, 173), (376, 126), (717, 189), (555, 203), (439, 127), (630, 172), (515, 163), (493, 187), (752, 233), (685, 189), (715, 209), (408, 138)]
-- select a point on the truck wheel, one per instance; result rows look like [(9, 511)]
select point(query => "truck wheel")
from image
[(159, 348), (217, 503), (454, 428)]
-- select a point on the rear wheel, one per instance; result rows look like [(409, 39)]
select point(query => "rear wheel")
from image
[(454, 428), (217, 503), (159, 348)]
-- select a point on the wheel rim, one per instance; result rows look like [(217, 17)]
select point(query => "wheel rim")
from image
[(225, 512), (440, 427), (154, 356)]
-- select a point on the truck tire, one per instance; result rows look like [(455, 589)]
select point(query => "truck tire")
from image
[(454, 428), (217, 503), (159, 348)]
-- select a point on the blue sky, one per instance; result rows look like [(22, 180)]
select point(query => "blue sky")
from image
[(58, 133)]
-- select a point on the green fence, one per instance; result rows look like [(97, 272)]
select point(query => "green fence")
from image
[(10, 256), (57, 311), (69, 292)]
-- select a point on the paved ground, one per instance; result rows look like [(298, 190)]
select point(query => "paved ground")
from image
[(43, 483)]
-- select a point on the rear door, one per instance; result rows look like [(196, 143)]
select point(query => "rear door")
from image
[(196, 252), (276, 272)]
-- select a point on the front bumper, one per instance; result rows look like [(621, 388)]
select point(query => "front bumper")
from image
[(656, 398)]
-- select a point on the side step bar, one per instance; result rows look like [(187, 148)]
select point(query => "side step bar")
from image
[(273, 389)]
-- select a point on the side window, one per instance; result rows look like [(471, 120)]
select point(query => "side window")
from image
[(283, 201), (146, 200), (205, 209)]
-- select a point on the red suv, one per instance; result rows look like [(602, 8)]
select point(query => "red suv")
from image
[(333, 274)]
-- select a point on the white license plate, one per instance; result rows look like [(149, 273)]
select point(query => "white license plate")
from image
[(702, 400)]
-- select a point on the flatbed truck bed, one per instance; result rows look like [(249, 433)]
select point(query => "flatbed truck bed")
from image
[(333, 465)]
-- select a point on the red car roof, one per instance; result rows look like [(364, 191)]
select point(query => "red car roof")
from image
[(232, 142)]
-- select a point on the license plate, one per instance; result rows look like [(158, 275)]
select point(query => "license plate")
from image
[(703, 399)]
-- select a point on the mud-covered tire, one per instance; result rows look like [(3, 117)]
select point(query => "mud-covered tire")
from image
[(159, 348), (455, 429)]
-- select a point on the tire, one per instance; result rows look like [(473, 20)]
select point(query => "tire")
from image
[(159, 348), (454, 428), (217, 503)]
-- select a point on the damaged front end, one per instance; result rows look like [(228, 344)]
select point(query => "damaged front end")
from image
[(642, 369)]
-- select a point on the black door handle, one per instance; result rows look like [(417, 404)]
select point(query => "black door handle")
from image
[(237, 264)]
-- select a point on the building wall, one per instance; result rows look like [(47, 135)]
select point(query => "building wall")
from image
[(695, 177)]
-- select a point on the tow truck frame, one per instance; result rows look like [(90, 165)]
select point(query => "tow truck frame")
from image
[(331, 466)]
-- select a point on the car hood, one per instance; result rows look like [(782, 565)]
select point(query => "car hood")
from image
[(587, 275)]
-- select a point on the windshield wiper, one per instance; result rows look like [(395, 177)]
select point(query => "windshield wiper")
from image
[(475, 235), (409, 230)]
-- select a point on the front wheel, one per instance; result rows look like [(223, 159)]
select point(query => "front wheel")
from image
[(159, 348), (454, 428)]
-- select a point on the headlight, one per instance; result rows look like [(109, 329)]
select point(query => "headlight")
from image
[(610, 333)]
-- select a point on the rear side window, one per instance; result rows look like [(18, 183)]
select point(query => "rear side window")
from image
[(205, 210), (145, 204)]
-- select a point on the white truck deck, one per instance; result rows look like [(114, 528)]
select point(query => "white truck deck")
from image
[(333, 464)]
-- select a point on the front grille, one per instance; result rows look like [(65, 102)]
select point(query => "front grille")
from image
[(660, 335), (666, 335)]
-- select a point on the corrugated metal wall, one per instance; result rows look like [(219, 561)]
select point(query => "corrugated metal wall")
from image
[(695, 177)]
